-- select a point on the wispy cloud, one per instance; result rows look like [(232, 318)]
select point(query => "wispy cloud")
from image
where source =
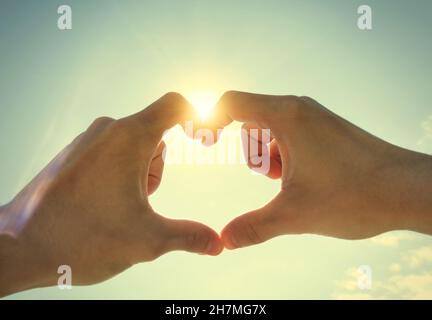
[(409, 286), (425, 141), (419, 257), (400, 286), (395, 268), (391, 239), (408, 278)]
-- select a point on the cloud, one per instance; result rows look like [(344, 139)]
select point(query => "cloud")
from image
[(411, 286), (427, 127), (395, 267), (351, 281), (400, 286), (350, 286), (418, 257), (409, 278), (426, 140), (391, 239)]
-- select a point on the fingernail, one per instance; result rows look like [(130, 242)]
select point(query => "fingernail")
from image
[(214, 248), (230, 242)]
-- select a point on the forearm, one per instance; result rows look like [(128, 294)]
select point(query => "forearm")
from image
[(9, 268), (20, 267)]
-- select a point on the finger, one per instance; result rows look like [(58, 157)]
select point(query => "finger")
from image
[(211, 137), (154, 177), (264, 110), (264, 134), (243, 107), (190, 236), (275, 171), (250, 107), (163, 114), (259, 225), (208, 134), (261, 151), (208, 131)]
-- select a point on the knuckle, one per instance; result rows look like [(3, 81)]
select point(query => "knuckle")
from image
[(306, 99), (173, 105), (292, 102), (311, 106), (252, 234), (229, 95), (172, 97), (198, 241), (101, 122), (293, 107), (245, 232)]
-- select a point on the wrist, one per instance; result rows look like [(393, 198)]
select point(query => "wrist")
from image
[(407, 186), (419, 190), (21, 266), (9, 277)]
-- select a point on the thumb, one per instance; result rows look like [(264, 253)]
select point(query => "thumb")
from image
[(191, 236), (259, 225)]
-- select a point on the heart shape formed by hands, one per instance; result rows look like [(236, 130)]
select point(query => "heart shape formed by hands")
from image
[(89, 207), (308, 148)]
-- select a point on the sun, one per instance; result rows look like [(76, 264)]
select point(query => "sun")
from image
[(203, 102)]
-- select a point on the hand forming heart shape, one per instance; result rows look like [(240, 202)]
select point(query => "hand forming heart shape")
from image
[(314, 152), (89, 207)]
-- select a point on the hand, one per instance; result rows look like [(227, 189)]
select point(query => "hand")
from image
[(337, 180), (90, 206)]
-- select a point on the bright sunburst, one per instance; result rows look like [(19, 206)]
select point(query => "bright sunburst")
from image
[(203, 102)]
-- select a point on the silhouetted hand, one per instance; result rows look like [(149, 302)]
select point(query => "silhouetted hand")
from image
[(337, 180), (89, 208)]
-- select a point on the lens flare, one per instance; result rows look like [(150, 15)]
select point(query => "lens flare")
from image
[(203, 102)]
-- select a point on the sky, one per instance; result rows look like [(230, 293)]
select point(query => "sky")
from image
[(122, 55)]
